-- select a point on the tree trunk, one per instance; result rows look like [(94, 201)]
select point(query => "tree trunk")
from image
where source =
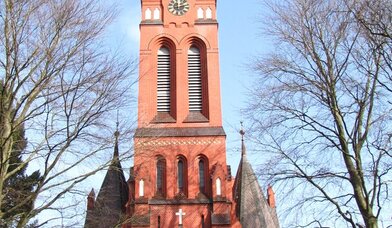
[(371, 221)]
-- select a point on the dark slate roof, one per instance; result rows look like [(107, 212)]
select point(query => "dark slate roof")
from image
[(252, 208), (111, 200)]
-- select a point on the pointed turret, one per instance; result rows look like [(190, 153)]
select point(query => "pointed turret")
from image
[(252, 209), (271, 197), (110, 205), (91, 200)]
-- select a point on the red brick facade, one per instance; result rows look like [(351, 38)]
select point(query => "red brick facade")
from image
[(180, 155)]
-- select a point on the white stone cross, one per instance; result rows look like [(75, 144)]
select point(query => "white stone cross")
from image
[(180, 214)]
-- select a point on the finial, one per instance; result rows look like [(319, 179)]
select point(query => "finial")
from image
[(242, 132), (117, 133), (117, 120), (92, 193)]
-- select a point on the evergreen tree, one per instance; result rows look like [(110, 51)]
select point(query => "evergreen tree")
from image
[(20, 185)]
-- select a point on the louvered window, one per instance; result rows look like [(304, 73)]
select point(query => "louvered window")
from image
[(194, 80), (163, 93)]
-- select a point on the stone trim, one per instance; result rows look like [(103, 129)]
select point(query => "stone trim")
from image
[(179, 132), (220, 199), (195, 117), (151, 22), (163, 118), (206, 21)]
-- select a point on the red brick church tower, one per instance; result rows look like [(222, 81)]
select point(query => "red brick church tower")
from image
[(180, 176), (180, 171)]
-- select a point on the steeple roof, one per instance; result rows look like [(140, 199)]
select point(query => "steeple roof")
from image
[(112, 197), (252, 208)]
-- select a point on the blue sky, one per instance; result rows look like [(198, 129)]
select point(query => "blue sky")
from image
[(239, 38)]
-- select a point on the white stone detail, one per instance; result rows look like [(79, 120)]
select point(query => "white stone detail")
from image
[(180, 214), (147, 14), (157, 14), (218, 187), (141, 188), (209, 13), (200, 13)]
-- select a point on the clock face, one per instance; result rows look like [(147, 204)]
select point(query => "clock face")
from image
[(178, 7)]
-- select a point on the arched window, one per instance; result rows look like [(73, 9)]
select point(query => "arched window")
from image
[(209, 13), (182, 175), (161, 177), (147, 14), (200, 13), (163, 81), (157, 14), (181, 184), (202, 177), (194, 80), (204, 180)]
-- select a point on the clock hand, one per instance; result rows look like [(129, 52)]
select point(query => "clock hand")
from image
[(179, 3)]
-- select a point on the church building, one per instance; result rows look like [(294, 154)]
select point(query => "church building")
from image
[(180, 177)]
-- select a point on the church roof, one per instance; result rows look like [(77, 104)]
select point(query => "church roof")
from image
[(252, 208), (112, 197)]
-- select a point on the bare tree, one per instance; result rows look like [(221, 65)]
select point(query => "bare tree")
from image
[(321, 114), (61, 83), (375, 17)]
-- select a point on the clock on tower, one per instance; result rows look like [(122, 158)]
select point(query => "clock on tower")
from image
[(178, 7)]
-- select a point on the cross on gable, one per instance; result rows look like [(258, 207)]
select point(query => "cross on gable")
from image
[(180, 214)]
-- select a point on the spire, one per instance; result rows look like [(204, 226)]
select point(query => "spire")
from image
[(242, 132), (113, 195), (248, 194)]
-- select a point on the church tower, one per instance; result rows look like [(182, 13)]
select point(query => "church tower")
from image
[(180, 175)]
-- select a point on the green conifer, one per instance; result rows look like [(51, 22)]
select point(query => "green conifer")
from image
[(20, 185)]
